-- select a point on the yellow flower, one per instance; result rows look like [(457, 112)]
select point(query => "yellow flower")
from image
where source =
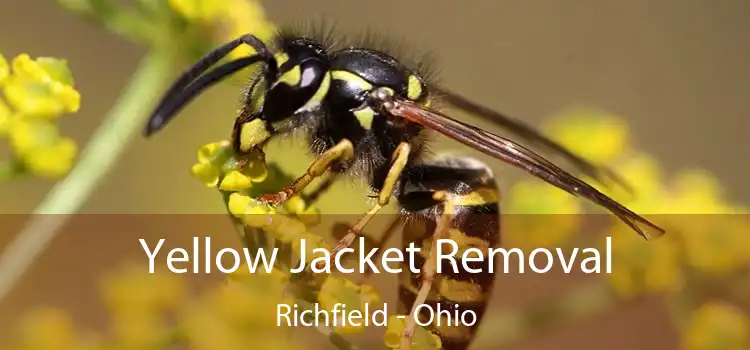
[(4, 69), (216, 160), (421, 340), (295, 205), (41, 148), (597, 136), (640, 266), (199, 10), (206, 173), (235, 181), (541, 215), (715, 243), (697, 192), (242, 17), (207, 152), (6, 116), (54, 161), (240, 313), (717, 326), (643, 173), (133, 288), (48, 329), (337, 290), (41, 88)]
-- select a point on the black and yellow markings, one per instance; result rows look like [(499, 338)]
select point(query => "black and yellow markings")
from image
[(321, 93), (281, 58), (292, 77), (414, 88), (467, 221), (364, 115)]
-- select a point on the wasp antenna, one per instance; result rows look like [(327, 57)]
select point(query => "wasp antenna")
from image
[(186, 87), (529, 133)]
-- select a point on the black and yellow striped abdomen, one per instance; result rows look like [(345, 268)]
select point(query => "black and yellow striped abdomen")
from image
[(473, 197)]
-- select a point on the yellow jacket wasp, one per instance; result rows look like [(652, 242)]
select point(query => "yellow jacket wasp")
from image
[(366, 113)]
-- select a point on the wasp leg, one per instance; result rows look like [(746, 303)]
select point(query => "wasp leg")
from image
[(429, 267), (386, 236), (400, 158), (314, 195), (341, 152)]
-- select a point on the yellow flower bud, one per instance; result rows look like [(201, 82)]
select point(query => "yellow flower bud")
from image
[(26, 135), (310, 217), (338, 290), (580, 129), (202, 11), (257, 215), (644, 267), (206, 173), (53, 161), (48, 329), (295, 205), (42, 87), (5, 118), (543, 228), (247, 17), (4, 69), (717, 325), (238, 204), (207, 151), (40, 99), (288, 229), (235, 181), (422, 339)]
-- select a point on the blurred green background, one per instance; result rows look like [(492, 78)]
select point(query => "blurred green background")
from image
[(676, 71)]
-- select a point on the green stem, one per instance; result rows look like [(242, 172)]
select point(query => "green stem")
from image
[(96, 161)]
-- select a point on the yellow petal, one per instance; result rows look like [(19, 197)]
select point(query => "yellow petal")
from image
[(295, 205), (422, 339), (717, 325), (5, 118), (52, 162), (199, 10), (206, 173), (207, 151), (48, 329), (597, 136), (26, 135), (235, 181), (4, 69), (238, 204), (40, 99), (288, 229)]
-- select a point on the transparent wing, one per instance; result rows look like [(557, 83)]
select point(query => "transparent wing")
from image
[(519, 156)]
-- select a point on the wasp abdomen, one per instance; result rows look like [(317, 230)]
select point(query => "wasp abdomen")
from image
[(461, 290)]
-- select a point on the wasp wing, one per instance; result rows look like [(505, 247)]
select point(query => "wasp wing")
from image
[(517, 155), (530, 134)]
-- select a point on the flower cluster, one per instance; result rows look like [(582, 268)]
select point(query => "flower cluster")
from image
[(680, 204), (717, 325), (37, 92), (705, 235), (157, 311), (241, 181)]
